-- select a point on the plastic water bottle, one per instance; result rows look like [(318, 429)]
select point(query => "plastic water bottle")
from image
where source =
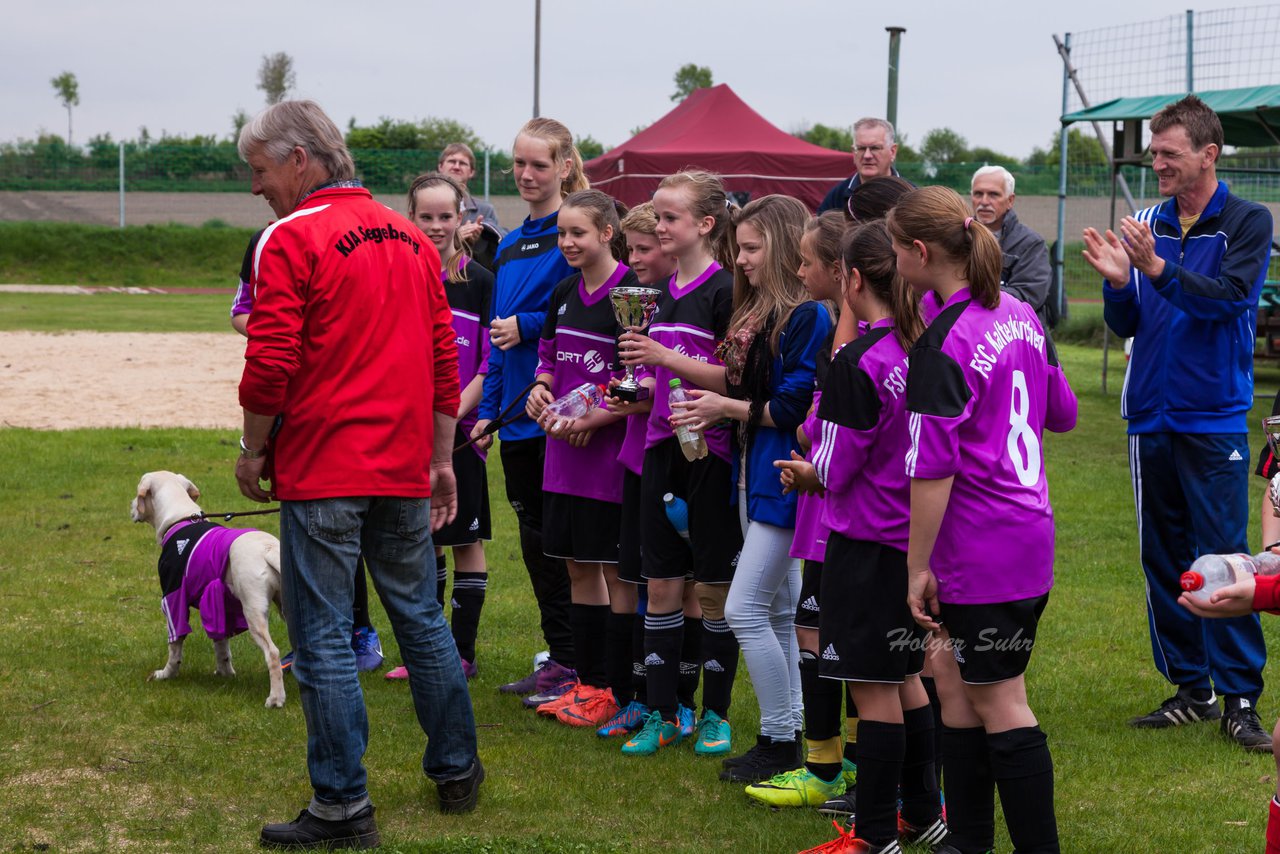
[(692, 443), (576, 403), (677, 514), (1211, 573)]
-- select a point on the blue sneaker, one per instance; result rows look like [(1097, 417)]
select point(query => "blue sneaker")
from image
[(628, 719), (367, 647), (687, 720)]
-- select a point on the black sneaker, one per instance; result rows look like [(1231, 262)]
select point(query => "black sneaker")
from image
[(311, 831), (1240, 724), (1182, 708), (762, 762), (462, 794), (762, 741), (843, 806)]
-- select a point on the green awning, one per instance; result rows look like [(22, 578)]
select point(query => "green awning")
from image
[(1249, 116)]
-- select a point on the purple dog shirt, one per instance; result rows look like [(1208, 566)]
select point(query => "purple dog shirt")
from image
[(193, 559)]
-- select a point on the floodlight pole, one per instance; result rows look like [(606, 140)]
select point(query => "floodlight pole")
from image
[(537, 54), (895, 42), (1191, 51)]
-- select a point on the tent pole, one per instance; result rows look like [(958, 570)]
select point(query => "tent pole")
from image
[(1059, 246)]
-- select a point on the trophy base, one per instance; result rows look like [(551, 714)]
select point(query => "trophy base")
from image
[(631, 394)]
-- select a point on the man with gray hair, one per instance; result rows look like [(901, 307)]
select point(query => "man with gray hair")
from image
[(874, 151), (350, 393), (1026, 273)]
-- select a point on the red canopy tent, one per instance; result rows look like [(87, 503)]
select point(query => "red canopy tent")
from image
[(714, 129)]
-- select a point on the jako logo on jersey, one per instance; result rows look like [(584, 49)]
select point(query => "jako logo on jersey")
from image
[(713, 666), (830, 653), (697, 357), (653, 660), (529, 247)]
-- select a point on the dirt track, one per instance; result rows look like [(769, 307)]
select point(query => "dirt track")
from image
[(62, 381)]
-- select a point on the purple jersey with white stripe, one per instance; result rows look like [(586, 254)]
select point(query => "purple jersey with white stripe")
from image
[(193, 560), (810, 540), (984, 385), (863, 439), (691, 320), (579, 345), (469, 301)]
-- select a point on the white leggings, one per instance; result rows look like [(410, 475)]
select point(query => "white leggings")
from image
[(761, 610)]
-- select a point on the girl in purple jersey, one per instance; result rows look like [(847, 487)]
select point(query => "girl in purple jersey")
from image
[(693, 315), (435, 205), (582, 501), (871, 641), (626, 615), (984, 384), (770, 355)]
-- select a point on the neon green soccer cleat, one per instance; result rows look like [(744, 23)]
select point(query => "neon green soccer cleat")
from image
[(798, 788)]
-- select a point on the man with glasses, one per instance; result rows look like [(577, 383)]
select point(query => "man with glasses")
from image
[(874, 151)]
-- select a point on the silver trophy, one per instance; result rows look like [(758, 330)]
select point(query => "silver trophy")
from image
[(633, 308)]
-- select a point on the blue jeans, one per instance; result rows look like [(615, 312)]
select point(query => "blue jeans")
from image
[(320, 543)]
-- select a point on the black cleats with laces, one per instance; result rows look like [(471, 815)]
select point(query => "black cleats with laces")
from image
[(1240, 724), (1184, 707)]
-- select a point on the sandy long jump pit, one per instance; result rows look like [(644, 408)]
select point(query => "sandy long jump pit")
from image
[(66, 380)]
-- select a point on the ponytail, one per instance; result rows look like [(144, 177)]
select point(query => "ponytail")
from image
[(938, 217), (868, 249)]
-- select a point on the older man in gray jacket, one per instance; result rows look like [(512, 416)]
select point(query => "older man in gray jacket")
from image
[(1026, 273)]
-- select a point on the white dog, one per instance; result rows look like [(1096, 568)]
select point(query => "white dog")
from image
[(231, 575)]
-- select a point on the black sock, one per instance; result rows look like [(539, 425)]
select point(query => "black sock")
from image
[(467, 603), (971, 793), (618, 645), (662, 640), (690, 663), (360, 599), (821, 700), (935, 705), (590, 626), (639, 673), (880, 749), (921, 805), (1023, 770), (442, 576), (719, 666)]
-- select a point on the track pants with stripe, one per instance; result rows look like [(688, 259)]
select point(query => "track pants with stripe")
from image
[(1192, 497)]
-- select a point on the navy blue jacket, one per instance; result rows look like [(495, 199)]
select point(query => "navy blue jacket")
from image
[(527, 267), (790, 396), (1193, 328)]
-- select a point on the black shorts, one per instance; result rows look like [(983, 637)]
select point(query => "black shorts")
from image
[(810, 595), (715, 533), (472, 522), (580, 529), (871, 637), (629, 533), (992, 642)]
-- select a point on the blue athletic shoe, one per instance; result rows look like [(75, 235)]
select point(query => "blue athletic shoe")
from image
[(367, 647), (628, 719), (687, 720)]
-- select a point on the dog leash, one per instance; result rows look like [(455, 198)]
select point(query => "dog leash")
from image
[(227, 517), (504, 418)]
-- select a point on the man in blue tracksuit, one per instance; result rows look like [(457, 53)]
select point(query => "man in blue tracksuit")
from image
[(1183, 281)]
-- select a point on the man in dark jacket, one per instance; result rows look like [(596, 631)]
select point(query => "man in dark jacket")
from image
[(1026, 273), (874, 151)]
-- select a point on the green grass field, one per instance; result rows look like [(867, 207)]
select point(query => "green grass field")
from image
[(96, 758)]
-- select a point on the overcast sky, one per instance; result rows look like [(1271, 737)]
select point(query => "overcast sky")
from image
[(986, 69)]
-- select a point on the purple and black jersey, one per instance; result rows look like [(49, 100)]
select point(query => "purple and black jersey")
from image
[(193, 560), (690, 320), (243, 302), (469, 301), (984, 385), (863, 439), (810, 540), (580, 345)]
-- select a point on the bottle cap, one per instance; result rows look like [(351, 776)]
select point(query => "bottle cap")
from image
[(1191, 581), (668, 498), (675, 383)]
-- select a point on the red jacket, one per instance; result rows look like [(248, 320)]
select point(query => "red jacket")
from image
[(351, 341), (1266, 593)]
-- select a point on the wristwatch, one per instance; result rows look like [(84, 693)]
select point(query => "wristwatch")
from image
[(250, 454)]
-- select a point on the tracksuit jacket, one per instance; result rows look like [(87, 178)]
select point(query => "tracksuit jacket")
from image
[(1191, 369)]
